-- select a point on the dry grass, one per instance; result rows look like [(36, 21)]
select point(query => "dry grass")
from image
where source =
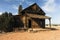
[(41, 35)]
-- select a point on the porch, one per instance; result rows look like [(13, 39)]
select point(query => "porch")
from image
[(29, 17)]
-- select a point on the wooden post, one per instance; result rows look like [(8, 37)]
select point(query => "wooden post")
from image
[(50, 22), (25, 20)]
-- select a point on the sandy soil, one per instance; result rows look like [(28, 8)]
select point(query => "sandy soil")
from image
[(41, 35)]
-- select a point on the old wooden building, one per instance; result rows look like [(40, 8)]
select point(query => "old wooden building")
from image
[(33, 16)]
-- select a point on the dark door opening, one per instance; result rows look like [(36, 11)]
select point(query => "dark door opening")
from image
[(29, 23)]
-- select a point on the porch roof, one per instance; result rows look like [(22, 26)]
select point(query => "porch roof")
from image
[(38, 16)]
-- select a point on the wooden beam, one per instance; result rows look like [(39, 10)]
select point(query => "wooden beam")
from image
[(50, 22)]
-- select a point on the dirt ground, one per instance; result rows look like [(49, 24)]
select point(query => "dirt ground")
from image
[(41, 35)]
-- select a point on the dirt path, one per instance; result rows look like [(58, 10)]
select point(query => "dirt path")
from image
[(42, 35)]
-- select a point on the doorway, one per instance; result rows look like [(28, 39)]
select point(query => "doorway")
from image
[(29, 23)]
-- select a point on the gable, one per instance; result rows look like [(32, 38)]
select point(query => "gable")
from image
[(34, 9)]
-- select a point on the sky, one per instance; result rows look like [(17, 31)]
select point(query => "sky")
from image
[(50, 7)]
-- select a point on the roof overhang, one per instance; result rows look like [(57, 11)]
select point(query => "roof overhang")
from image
[(38, 16)]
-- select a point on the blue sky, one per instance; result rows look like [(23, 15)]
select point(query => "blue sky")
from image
[(50, 7)]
